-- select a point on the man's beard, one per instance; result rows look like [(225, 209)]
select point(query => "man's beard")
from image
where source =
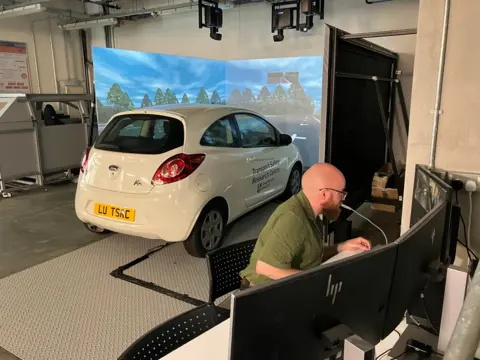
[(332, 213)]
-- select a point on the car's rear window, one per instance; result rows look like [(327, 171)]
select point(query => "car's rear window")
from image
[(142, 134)]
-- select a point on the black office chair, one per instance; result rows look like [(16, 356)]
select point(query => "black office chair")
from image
[(173, 333), (224, 266)]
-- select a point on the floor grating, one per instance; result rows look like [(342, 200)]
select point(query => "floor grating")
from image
[(72, 308)]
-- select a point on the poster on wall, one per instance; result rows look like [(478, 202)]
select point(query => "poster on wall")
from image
[(286, 91), (14, 71)]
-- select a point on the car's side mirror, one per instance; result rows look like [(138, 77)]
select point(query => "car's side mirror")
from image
[(285, 140)]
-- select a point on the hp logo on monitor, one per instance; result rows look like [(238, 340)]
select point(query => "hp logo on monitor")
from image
[(333, 289)]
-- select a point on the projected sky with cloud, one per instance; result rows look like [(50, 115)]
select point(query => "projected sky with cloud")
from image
[(287, 91)]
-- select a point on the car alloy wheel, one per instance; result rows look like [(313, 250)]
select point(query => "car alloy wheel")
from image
[(212, 230), (295, 182)]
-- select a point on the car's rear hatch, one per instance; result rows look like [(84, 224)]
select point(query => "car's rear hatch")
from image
[(131, 149)]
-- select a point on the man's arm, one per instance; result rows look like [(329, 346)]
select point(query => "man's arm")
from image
[(329, 252), (283, 244), (273, 272)]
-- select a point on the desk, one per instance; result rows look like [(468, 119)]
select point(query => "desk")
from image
[(214, 344)]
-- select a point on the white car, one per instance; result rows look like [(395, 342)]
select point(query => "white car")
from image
[(183, 173)]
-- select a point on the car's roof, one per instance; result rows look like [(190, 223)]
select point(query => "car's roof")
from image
[(198, 113)]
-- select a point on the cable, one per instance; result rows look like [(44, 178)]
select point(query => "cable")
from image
[(470, 211), (382, 354), (370, 221), (386, 351), (470, 252), (422, 295), (398, 356)]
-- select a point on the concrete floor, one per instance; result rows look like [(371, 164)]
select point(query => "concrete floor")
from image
[(40, 225), (37, 226)]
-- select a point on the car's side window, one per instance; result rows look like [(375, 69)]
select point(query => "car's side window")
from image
[(255, 132), (220, 134)]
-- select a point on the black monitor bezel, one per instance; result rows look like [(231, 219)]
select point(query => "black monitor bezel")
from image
[(393, 315), (447, 257)]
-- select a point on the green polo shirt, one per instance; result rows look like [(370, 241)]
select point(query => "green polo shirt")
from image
[(291, 239)]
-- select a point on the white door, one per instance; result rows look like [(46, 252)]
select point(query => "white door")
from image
[(226, 164), (266, 162)]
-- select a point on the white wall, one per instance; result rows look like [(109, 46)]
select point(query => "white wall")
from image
[(459, 129), (247, 34), (63, 64)]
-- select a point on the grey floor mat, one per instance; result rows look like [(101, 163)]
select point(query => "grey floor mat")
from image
[(71, 308), (174, 269)]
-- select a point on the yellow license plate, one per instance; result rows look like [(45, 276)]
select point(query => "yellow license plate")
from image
[(114, 212)]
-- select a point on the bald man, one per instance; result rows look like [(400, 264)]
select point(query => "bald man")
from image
[(291, 241)]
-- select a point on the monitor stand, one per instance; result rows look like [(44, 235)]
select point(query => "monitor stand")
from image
[(355, 348)]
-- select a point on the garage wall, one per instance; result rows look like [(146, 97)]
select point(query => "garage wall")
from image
[(246, 34), (64, 64), (459, 127)]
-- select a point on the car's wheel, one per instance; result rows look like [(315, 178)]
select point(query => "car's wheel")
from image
[(294, 184), (95, 229), (208, 232)]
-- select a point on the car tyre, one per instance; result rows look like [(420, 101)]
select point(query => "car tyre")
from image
[(294, 184), (208, 232), (96, 229)]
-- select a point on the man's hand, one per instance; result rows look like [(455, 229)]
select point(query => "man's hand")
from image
[(354, 245)]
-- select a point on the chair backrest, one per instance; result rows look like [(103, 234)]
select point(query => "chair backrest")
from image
[(224, 266), (173, 333)]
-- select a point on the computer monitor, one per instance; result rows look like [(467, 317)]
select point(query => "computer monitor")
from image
[(285, 319), (418, 248), (430, 190)]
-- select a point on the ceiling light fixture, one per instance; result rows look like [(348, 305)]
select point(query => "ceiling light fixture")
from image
[(89, 24), (22, 11)]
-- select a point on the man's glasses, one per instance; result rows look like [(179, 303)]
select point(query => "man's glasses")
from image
[(341, 192)]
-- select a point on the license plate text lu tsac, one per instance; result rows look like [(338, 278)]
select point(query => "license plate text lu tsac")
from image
[(115, 212)]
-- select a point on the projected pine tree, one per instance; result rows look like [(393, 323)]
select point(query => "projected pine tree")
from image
[(159, 98), (185, 99), (215, 98), (279, 101), (119, 99), (170, 97), (202, 97), (146, 102), (299, 101), (235, 98)]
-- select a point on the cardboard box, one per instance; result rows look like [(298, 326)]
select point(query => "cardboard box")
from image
[(383, 188)]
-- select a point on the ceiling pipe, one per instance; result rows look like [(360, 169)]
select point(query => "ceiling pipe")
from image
[(119, 15), (438, 96)]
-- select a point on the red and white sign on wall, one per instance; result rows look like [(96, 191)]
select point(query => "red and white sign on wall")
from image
[(14, 70)]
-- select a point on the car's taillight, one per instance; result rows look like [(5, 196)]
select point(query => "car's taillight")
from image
[(83, 167), (177, 168)]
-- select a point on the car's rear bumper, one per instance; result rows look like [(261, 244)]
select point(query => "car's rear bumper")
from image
[(168, 213)]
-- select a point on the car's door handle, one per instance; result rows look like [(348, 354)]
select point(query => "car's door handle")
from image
[(251, 158)]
